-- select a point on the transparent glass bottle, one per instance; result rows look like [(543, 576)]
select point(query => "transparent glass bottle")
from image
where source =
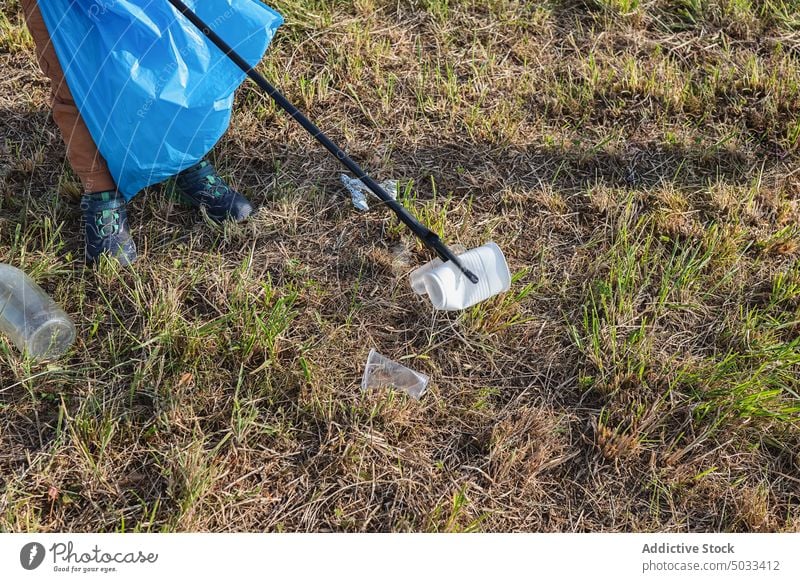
[(30, 318)]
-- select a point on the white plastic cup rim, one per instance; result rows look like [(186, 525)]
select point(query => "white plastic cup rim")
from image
[(448, 288)]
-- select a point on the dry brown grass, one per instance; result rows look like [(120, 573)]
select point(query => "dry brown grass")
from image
[(637, 161)]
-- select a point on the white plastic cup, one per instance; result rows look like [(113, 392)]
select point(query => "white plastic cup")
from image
[(449, 290), (381, 372), (31, 319)]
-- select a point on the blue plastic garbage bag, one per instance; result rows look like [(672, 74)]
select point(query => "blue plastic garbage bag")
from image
[(155, 93)]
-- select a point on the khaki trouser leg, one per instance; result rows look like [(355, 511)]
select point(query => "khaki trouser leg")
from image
[(82, 152)]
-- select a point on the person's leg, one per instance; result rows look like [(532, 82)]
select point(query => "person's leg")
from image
[(104, 208), (82, 152), (200, 185)]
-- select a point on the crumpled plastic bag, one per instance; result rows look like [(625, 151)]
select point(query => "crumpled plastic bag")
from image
[(358, 191), (155, 93)]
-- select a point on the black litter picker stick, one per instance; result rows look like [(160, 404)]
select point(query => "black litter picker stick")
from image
[(426, 235)]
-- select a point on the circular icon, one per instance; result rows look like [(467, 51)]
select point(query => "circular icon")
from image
[(31, 555)]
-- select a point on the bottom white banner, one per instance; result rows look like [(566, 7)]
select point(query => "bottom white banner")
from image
[(371, 557)]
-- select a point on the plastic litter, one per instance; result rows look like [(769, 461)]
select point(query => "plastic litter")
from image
[(155, 93), (359, 191), (449, 290), (381, 372), (31, 319), (402, 259)]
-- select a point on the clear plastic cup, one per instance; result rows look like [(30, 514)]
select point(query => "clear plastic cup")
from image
[(381, 372), (31, 319)]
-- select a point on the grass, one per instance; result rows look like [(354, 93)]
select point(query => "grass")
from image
[(635, 159)]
